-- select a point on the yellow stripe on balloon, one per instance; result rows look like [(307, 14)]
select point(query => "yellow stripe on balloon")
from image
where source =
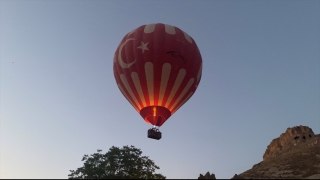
[(166, 69), (127, 86), (185, 90), (184, 101), (126, 96), (136, 82), (149, 76), (176, 85)]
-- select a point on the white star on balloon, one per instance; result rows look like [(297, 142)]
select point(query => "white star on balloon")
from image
[(143, 46)]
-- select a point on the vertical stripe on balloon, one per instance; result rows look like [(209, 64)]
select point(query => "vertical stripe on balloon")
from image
[(148, 67), (136, 81), (166, 69), (199, 75), (127, 86), (176, 85), (169, 29), (182, 93), (126, 96), (184, 101), (188, 38), (149, 28)]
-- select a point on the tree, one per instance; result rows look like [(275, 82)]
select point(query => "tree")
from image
[(117, 163)]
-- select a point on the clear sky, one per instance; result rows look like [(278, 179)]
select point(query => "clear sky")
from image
[(59, 99)]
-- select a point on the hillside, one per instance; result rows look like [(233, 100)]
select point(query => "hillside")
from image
[(295, 154)]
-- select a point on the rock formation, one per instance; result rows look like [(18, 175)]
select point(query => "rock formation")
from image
[(293, 155), (207, 176), (292, 136), (236, 176)]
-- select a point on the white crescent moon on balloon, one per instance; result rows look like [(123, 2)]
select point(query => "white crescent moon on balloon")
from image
[(123, 64)]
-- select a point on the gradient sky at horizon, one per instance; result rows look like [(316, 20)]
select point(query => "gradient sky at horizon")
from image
[(59, 99)]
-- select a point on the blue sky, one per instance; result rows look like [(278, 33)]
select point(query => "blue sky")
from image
[(59, 99)]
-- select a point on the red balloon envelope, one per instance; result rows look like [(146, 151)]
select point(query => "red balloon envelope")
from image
[(157, 68)]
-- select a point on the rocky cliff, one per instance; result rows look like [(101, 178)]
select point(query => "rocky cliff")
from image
[(295, 154), (290, 138), (207, 176)]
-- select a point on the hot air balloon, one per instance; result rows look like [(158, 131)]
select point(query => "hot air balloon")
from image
[(157, 68)]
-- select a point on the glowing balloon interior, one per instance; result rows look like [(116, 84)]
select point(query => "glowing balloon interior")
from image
[(157, 68)]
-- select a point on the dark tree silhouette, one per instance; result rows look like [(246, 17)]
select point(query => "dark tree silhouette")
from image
[(117, 163)]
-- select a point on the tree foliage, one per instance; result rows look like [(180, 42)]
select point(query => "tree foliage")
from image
[(117, 163)]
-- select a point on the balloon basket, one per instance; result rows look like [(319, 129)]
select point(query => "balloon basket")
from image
[(154, 133)]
